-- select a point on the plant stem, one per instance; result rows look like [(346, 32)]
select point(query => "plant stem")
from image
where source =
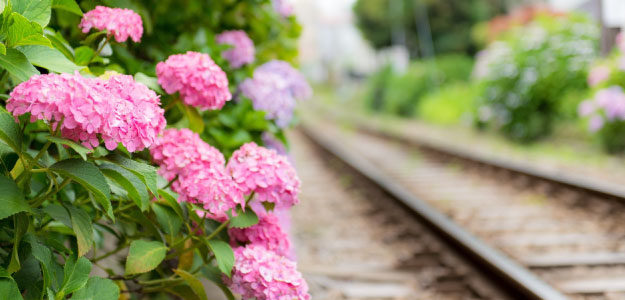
[(103, 256), (171, 182), (97, 52), (219, 229)]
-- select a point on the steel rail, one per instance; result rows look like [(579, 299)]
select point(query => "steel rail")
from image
[(516, 280), (569, 180)]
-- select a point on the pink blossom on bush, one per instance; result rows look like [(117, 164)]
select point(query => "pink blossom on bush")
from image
[(202, 178), (283, 7), (268, 233), (120, 22), (608, 105), (197, 78), (598, 75), (275, 89), (242, 51), (264, 275), (120, 110), (263, 171)]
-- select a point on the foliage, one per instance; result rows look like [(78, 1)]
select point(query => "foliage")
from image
[(450, 22), (67, 210), (529, 70), (451, 104), (401, 93)]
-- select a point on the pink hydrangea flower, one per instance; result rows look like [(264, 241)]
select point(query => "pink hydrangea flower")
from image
[(268, 233), (598, 75), (199, 168), (283, 7), (275, 89), (120, 22), (242, 51), (262, 171), (119, 110), (197, 78), (264, 275)]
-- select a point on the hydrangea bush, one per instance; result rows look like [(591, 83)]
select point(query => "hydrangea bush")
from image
[(116, 186), (605, 112), (527, 72)]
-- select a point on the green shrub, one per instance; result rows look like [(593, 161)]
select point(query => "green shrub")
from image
[(451, 104), (530, 70)]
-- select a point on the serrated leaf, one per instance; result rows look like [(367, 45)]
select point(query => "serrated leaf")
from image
[(223, 254), (80, 149), (49, 58), (193, 282), (12, 200), (244, 219), (9, 131), (145, 172), (24, 32), (167, 218), (59, 213), (44, 255), (67, 5), (83, 228), (9, 289), (90, 177), (16, 63), (34, 10), (76, 274), (144, 256), (97, 289), (136, 189)]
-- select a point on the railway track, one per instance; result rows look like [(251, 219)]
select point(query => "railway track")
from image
[(556, 232)]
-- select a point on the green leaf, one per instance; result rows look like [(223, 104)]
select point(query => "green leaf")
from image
[(196, 123), (83, 228), (193, 282), (24, 32), (223, 254), (151, 82), (59, 43), (89, 177), (44, 255), (21, 227), (97, 289), (49, 58), (10, 131), (94, 37), (168, 219), (83, 55), (34, 10), (144, 256), (16, 63), (67, 5), (59, 213), (9, 289), (136, 189), (76, 274), (12, 200), (80, 149), (244, 219), (172, 202), (145, 172), (213, 274), (3, 48), (182, 292)]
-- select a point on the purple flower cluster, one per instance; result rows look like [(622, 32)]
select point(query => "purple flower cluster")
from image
[(118, 110), (119, 22), (197, 78), (242, 51), (607, 106), (275, 89)]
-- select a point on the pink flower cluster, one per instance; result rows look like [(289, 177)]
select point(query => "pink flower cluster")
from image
[(275, 89), (200, 172), (242, 51), (598, 75), (197, 78), (283, 7), (120, 22), (264, 275), (119, 110), (268, 233), (264, 172), (608, 105)]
